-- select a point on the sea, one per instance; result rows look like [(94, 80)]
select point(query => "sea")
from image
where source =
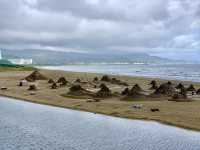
[(184, 72)]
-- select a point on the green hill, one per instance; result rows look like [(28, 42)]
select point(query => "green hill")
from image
[(45, 57)]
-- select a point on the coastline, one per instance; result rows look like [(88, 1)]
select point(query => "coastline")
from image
[(180, 72), (109, 107)]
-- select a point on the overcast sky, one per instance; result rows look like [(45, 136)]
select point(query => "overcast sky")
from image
[(152, 26)]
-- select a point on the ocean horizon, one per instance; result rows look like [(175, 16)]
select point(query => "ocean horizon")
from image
[(182, 72)]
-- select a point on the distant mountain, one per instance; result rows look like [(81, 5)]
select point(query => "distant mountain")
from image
[(187, 57), (44, 57)]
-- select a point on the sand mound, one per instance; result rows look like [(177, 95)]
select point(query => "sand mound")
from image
[(136, 88), (125, 91), (78, 80), (191, 88), (169, 82), (136, 92), (165, 89), (180, 86), (118, 82), (154, 85), (77, 90), (101, 85), (104, 91), (32, 87), (153, 82), (183, 91), (96, 79), (62, 81), (51, 81), (180, 97), (115, 81), (136, 95), (36, 75), (105, 78), (54, 86), (198, 92)]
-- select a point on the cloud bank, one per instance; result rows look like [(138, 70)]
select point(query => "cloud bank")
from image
[(101, 25)]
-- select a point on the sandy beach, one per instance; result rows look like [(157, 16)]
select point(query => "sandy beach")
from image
[(182, 114)]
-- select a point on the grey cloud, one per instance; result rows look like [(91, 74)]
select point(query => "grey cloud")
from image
[(108, 9), (93, 25)]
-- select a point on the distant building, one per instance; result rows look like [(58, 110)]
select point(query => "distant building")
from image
[(21, 61)]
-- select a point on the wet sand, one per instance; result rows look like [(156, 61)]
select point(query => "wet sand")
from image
[(182, 114)]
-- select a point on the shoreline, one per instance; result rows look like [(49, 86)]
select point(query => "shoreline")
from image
[(155, 76), (111, 107)]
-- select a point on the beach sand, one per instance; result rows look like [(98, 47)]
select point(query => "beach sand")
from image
[(181, 114)]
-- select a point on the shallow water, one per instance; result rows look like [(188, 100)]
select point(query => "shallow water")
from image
[(28, 126), (190, 72)]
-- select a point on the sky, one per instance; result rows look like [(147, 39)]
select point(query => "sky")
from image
[(168, 28)]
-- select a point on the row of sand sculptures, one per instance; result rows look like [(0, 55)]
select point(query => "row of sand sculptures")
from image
[(168, 89)]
